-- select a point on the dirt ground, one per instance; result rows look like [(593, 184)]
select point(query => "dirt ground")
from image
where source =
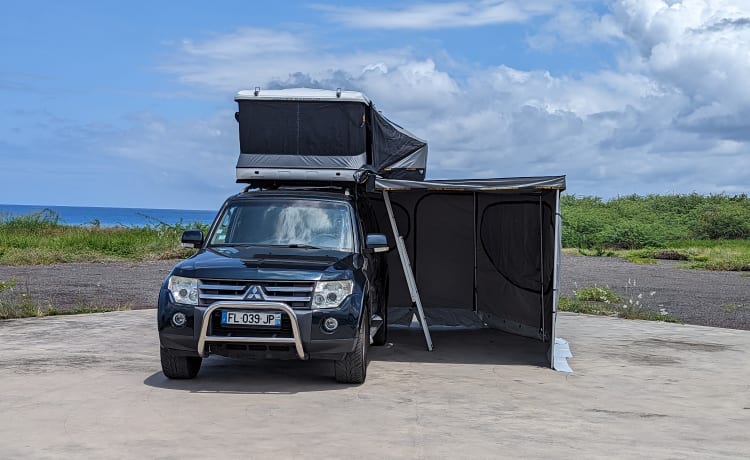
[(695, 296)]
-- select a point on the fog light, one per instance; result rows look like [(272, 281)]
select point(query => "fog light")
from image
[(330, 324), (179, 319)]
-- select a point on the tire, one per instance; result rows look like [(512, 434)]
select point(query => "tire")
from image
[(353, 367), (179, 367)]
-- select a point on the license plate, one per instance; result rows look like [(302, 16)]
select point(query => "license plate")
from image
[(250, 318)]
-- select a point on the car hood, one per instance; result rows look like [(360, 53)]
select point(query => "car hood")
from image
[(264, 263)]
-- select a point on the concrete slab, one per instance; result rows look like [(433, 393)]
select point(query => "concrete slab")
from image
[(90, 386)]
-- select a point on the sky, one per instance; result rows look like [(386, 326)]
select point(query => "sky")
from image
[(131, 104)]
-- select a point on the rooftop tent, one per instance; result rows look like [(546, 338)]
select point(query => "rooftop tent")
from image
[(307, 134), (482, 252)]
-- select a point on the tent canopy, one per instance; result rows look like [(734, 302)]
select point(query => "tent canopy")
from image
[(519, 184), (305, 134), (483, 252)]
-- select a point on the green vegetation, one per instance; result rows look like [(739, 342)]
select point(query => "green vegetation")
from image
[(40, 238), (17, 303), (597, 294), (708, 232), (13, 304), (598, 300)]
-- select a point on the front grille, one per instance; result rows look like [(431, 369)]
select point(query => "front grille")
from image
[(296, 294), (223, 330)]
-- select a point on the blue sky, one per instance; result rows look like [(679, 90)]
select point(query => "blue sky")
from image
[(131, 103)]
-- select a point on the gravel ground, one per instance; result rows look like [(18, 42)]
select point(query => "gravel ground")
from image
[(695, 296)]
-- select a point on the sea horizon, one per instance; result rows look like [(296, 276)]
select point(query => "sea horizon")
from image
[(107, 216)]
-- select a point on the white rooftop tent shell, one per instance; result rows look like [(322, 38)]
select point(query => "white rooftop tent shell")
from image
[(303, 134)]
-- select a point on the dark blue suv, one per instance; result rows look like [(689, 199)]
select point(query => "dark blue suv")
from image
[(294, 273)]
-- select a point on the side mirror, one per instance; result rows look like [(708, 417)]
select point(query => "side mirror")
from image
[(376, 242), (192, 238)]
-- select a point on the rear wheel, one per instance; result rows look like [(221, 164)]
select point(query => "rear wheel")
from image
[(353, 368), (179, 367)]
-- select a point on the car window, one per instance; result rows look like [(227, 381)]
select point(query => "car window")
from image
[(317, 223)]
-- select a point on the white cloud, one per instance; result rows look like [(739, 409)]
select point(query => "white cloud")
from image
[(249, 57), (439, 15), (655, 124), (571, 25), (700, 47)]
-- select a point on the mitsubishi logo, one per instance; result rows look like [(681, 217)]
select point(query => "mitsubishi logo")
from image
[(254, 293)]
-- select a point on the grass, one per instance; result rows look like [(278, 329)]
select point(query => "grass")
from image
[(710, 232), (17, 303), (40, 238), (601, 300), (733, 307), (597, 294), (728, 255)]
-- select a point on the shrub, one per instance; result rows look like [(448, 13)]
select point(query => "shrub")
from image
[(725, 221), (652, 221), (632, 235)]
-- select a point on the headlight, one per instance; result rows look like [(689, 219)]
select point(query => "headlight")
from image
[(184, 290), (330, 294)]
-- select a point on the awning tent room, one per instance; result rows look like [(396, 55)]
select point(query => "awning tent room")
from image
[(483, 253)]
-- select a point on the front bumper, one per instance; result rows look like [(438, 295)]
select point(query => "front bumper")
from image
[(296, 338), (306, 340)]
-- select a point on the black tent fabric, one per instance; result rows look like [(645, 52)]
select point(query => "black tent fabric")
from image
[(482, 251), (302, 128), (396, 153)]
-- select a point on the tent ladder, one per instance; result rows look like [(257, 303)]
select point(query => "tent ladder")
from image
[(408, 273)]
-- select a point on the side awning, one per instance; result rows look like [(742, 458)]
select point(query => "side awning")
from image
[(482, 251)]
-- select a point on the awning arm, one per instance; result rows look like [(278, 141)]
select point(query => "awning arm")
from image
[(410, 281)]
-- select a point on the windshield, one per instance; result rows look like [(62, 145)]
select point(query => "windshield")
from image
[(289, 222)]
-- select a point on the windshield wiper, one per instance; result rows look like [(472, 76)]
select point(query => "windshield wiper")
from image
[(245, 245), (294, 245)]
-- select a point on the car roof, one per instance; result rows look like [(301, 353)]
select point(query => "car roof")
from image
[(319, 193)]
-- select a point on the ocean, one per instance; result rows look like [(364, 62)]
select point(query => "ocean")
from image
[(111, 217)]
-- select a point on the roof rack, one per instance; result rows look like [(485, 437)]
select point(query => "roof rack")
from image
[(361, 177), (298, 185)]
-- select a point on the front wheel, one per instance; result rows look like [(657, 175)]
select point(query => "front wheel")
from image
[(179, 367), (353, 367)]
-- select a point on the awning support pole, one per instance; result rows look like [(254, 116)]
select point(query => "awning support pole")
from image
[(556, 277), (410, 281)]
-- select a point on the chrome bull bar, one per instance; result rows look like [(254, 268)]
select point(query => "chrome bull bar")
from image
[(296, 338)]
